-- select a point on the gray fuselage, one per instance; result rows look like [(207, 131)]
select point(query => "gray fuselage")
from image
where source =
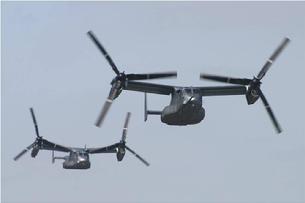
[(77, 160), (185, 107)]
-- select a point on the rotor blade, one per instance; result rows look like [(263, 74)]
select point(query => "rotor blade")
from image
[(35, 123), (125, 126), (151, 75), (138, 156), (238, 81), (275, 54), (103, 113), (103, 50), (106, 107), (270, 112), (24, 151)]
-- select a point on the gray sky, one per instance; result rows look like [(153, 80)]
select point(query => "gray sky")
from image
[(234, 155)]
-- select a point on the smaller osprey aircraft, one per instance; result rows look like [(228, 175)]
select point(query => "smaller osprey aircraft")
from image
[(78, 158), (185, 107)]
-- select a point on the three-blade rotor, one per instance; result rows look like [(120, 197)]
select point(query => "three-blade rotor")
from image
[(121, 79), (123, 140), (254, 84), (38, 137)]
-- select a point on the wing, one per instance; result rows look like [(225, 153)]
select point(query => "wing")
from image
[(223, 90), (108, 149), (47, 145), (149, 87)]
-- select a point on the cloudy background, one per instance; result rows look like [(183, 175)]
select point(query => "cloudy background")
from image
[(234, 155)]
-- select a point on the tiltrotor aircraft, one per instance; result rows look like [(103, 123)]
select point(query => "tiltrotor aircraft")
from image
[(78, 158), (186, 102)]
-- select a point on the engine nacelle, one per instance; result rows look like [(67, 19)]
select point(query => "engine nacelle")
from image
[(120, 153), (34, 152), (116, 86), (252, 95)]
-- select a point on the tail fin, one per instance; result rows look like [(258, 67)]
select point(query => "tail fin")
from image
[(147, 112), (53, 158)]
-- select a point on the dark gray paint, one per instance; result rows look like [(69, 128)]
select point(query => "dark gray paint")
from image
[(78, 158), (186, 103)]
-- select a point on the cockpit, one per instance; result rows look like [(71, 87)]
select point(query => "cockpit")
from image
[(77, 160), (185, 107), (82, 156), (185, 95)]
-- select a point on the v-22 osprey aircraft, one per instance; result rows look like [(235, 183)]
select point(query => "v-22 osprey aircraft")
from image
[(185, 107), (78, 158)]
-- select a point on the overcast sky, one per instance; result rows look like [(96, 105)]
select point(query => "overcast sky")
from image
[(234, 155)]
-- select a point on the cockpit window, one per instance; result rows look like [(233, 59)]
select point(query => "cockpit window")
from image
[(189, 91)]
